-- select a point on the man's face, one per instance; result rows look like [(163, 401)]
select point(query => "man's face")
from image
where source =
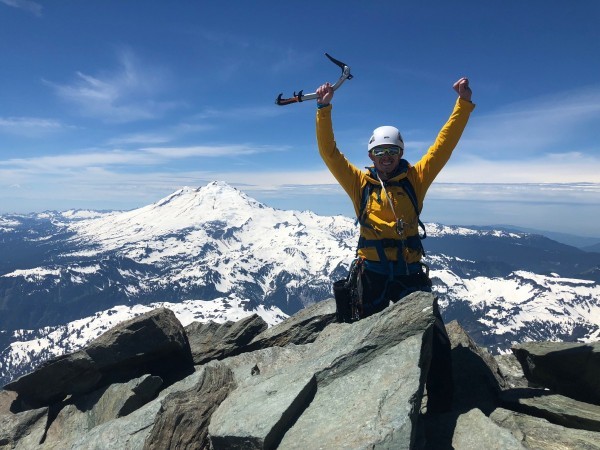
[(386, 158)]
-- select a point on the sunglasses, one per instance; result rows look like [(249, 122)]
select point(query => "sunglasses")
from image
[(380, 151)]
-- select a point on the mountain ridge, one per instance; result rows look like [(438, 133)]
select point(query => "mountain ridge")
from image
[(580, 242), (216, 244)]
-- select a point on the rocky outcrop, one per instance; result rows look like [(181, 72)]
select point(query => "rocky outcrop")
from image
[(324, 390), (154, 343), (80, 414), (183, 418), (475, 431), (306, 383), (556, 408), (6, 400), (477, 376), (211, 340), (23, 430), (302, 328), (566, 368), (537, 433)]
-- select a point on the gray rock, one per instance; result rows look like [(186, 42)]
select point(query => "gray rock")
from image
[(211, 340), (477, 377), (373, 405), (475, 431), (22, 430), (301, 328), (267, 362), (257, 416), (333, 378), (143, 390), (536, 433), (132, 431), (512, 372), (153, 343), (80, 414), (182, 421), (75, 373), (6, 400), (129, 432), (555, 408), (154, 340), (569, 369)]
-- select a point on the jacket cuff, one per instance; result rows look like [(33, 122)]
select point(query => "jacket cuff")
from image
[(324, 108), (465, 104)]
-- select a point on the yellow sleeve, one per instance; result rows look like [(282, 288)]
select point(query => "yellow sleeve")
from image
[(439, 153), (349, 176)]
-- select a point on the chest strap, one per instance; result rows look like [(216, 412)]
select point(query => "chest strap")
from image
[(411, 242)]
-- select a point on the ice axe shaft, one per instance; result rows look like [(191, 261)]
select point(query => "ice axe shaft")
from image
[(300, 96)]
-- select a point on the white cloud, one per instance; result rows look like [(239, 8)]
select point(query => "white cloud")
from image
[(580, 193), (28, 5), (101, 187), (215, 151), (570, 167), (57, 163), (29, 125), (245, 113), (122, 96), (140, 138), (537, 164), (151, 156), (543, 124)]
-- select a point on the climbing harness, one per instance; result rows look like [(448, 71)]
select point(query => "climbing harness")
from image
[(300, 96)]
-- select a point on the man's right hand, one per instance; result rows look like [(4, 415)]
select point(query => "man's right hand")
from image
[(324, 94)]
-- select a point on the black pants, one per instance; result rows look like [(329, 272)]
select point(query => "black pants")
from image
[(376, 292)]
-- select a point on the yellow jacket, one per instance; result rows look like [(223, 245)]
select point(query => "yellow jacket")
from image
[(380, 221)]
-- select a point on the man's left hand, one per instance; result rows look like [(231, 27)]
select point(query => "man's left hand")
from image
[(463, 89)]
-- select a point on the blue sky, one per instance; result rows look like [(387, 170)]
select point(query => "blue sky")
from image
[(106, 104)]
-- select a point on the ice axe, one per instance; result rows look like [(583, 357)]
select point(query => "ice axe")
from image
[(300, 96)]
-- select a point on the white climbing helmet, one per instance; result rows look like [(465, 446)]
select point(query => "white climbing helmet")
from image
[(386, 135)]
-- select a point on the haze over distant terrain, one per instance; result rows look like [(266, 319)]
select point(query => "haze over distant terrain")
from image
[(111, 104)]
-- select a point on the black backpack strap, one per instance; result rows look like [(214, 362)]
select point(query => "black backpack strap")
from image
[(364, 198)]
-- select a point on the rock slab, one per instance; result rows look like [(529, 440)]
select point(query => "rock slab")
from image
[(570, 369), (356, 386), (153, 343)]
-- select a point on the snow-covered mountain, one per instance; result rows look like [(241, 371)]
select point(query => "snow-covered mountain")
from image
[(213, 253), (202, 243)]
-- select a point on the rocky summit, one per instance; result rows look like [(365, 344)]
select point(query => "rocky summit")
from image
[(307, 382)]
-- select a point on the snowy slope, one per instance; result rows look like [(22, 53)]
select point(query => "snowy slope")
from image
[(40, 345), (523, 306)]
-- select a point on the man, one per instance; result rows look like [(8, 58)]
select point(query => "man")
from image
[(387, 199), (390, 250)]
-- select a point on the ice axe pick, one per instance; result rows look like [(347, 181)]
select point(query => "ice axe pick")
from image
[(300, 96)]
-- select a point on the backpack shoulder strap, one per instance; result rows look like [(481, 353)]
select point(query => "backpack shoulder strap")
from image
[(364, 198), (412, 195)]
